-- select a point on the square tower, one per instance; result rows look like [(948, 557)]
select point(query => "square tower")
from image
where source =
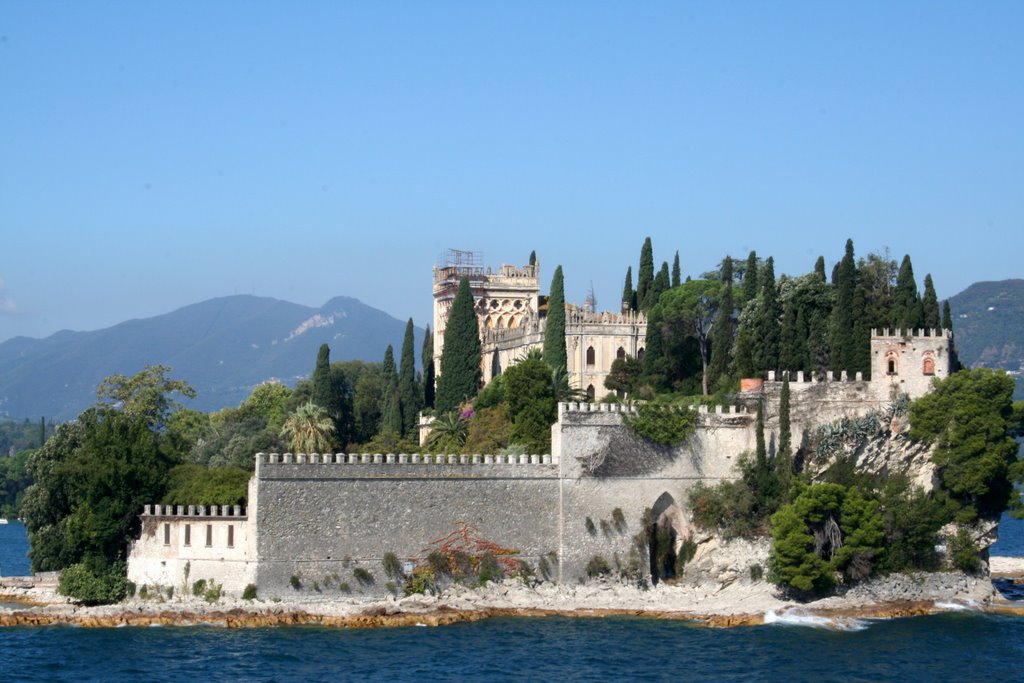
[(907, 361)]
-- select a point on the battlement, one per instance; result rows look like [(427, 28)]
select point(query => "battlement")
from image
[(530, 327), (631, 409), (800, 377), (402, 459), (579, 316), (221, 511), (923, 333)]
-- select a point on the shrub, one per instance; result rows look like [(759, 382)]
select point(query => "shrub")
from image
[(606, 528), (93, 582), (213, 592), (597, 566), (756, 572), (488, 569), (344, 587), (143, 592), (392, 567), (668, 425), (295, 582), (619, 520), (364, 577), (390, 586), (199, 587), (250, 592), (591, 529), (963, 552)]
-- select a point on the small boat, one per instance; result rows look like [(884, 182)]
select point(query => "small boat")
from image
[(3, 520)]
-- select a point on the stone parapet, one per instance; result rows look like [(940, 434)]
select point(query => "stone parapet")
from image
[(403, 459), (224, 511)]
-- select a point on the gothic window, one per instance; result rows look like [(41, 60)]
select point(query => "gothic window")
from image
[(590, 392), (621, 353), (591, 355), (891, 367), (640, 354), (929, 365)]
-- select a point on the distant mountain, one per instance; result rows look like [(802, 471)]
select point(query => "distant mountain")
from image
[(988, 318), (223, 347)]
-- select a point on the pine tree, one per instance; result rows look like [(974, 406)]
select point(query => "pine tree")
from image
[(645, 276), (408, 389), (766, 341), (554, 330), (628, 300), (460, 357), (675, 271), (533, 258), (427, 361), (721, 335), (930, 304), (819, 268), (906, 308), (750, 283), (947, 316)]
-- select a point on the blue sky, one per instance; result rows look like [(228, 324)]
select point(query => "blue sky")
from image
[(158, 154)]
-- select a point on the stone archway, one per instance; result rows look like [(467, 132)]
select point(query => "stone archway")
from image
[(668, 530)]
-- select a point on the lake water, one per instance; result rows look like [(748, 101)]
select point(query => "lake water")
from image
[(962, 646)]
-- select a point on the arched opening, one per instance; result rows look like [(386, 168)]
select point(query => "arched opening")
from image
[(591, 355), (621, 353), (666, 537), (929, 365), (495, 364), (891, 366), (640, 354)]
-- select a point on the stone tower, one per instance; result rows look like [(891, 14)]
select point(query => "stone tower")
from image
[(906, 361)]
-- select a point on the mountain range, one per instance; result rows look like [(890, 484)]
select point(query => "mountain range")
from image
[(223, 347)]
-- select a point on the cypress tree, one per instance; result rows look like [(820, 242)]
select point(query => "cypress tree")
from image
[(750, 283), (427, 361), (533, 258), (662, 283), (843, 336), (645, 276), (767, 331), (930, 304), (860, 351), (460, 357), (906, 308), (762, 452), (784, 457), (819, 268), (391, 408), (330, 392), (721, 335), (408, 389), (675, 271), (42, 431), (554, 353), (628, 300), (792, 338), (322, 378), (947, 316)]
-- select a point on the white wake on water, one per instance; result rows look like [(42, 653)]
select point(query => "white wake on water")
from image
[(798, 617)]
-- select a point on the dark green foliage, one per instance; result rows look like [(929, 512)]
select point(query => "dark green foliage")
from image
[(722, 334), (589, 524), (296, 582), (392, 567), (930, 305), (331, 391), (460, 358), (751, 285), (963, 552), (645, 277), (662, 283), (675, 271), (784, 455), (624, 375), (947, 316), (322, 394), (427, 361), (628, 296), (250, 592), (533, 258), (912, 520), (844, 337), (819, 269), (408, 389), (14, 479), (363, 576), (554, 331), (94, 582), (969, 418), (597, 566), (906, 306), (669, 425), (793, 561), (761, 452), (531, 404), (767, 323), (689, 312), (146, 394), (391, 408), (200, 485)]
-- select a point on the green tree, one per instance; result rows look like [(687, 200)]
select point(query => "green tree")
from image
[(751, 286), (645, 276), (969, 417), (930, 305), (676, 273), (722, 334), (146, 394), (460, 358), (199, 485), (533, 258), (448, 433), (947, 316), (784, 455), (391, 406), (554, 330), (628, 296), (310, 429), (268, 401), (427, 361), (691, 310), (906, 306), (532, 407), (767, 330), (819, 269), (408, 389), (662, 284), (844, 338), (624, 375)]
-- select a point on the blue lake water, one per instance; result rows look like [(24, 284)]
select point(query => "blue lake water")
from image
[(949, 647)]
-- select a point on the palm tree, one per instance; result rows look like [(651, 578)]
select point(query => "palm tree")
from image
[(561, 389), (448, 433), (310, 429)]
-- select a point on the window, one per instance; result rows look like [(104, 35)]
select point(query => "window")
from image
[(590, 392), (929, 366), (891, 367), (188, 534), (591, 355), (167, 534), (209, 535), (621, 353), (231, 535), (640, 354)]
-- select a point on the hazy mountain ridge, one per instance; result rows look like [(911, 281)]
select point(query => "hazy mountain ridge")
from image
[(988, 318), (223, 347)]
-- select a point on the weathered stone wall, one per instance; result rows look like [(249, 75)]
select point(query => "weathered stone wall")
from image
[(320, 521)]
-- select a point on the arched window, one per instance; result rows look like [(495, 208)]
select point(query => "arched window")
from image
[(591, 355), (891, 366), (590, 392), (929, 365), (640, 354), (621, 353)]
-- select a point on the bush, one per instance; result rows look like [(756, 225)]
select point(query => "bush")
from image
[(392, 567), (597, 566), (344, 587), (295, 582), (667, 425), (756, 572), (364, 577), (619, 520), (250, 592), (488, 569), (591, 529), (199, 587), (963, 552), (213, 592), (94, 583)]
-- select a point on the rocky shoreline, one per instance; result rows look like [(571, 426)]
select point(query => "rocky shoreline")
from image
[(710, 604)]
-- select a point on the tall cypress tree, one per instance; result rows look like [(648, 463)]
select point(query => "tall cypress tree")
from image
[(460, 357), (860, 351), (427, 361), (662, 283), (330, 392), (391, 407), (784, 457), (906, 307), (533, 258), (792, 338), (843, 335), (628, 298), (930, 304), (645, 276), (761, 452), (721, 335), (819, 269), (408, 389), (750, 279), (947, 316), (322, 378), (766, 341), (554, 353), (42, 431), (675, 271)]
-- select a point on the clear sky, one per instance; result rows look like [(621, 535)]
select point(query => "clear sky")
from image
[(153, 155)]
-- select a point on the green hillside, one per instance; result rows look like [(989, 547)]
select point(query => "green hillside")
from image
[(988, 318)]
